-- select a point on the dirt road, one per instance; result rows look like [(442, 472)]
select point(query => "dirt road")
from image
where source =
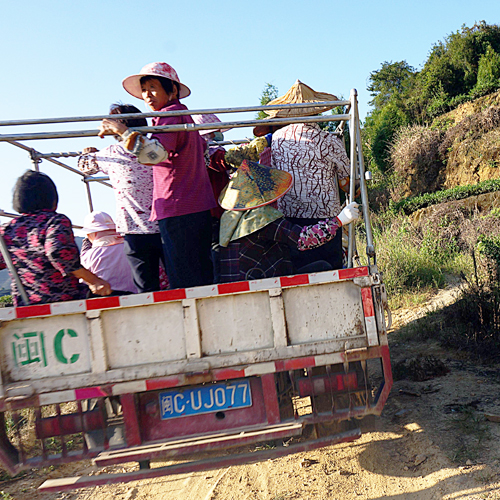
[(433, 441)]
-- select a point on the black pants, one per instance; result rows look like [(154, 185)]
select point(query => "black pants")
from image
[(330, 252), (186, 243), (144, 252)]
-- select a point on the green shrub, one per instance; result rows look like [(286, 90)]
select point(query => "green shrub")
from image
[(471, 324), (488, 73), (6, 301), (489, 247), (410, 205)]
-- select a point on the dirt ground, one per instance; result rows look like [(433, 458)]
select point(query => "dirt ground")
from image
[(433, 441)]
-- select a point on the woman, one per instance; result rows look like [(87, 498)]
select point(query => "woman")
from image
[(132, 183), (182, 194), (319, 164), (41, 244), (105, 256), (256, 239)]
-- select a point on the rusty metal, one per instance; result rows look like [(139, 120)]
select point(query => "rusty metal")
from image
[(199, 465), (192, 446)]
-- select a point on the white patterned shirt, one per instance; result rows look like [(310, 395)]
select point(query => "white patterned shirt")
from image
[(132, 183), (317, 160)]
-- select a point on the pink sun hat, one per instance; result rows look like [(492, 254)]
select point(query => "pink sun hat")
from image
[(132, 84), (208, 118), (97, 221)]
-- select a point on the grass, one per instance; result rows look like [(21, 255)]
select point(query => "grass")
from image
[(414, 260), (472, 432)]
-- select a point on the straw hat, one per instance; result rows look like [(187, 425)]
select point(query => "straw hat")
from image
[(298, 94), (254, 185), (132, 84), (97, 221), (209, 118)]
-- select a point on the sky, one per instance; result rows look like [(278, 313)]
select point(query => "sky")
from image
[(64, 59)]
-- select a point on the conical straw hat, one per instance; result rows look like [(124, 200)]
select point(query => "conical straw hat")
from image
[(298, 94), (254, 185)]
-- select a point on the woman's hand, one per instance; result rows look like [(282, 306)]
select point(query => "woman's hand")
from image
[(349, 214), (97, 285), (86, 151), (111, 127), (100, 287)]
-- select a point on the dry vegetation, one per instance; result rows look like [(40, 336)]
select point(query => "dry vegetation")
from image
[(460, 147)]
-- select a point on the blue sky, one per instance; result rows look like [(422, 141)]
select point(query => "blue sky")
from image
[(63, 58)]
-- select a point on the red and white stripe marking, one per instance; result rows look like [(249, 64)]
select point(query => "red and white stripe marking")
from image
[(216, 375), (79, 306)]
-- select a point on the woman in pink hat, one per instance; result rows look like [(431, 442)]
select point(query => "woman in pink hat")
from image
[(182, 194), (105, 256)]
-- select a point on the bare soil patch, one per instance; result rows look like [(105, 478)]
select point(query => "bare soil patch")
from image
[(433, 441)]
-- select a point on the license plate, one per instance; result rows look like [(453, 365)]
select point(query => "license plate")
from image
[(205, 399)]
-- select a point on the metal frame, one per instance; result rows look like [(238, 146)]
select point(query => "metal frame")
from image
[(352, 116)]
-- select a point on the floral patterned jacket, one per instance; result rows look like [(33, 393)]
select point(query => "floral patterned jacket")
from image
[(44, 252)]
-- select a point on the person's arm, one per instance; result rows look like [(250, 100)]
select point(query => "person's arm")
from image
[(87, 163), (96, 284), (342, 162), (250, 151), (325, 230), (148, 151)]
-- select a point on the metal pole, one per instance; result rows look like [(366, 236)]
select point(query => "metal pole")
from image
[(55, 162), (185, 127), (352, 178), (370, 249), (13, 271), (42, 121), (89, 196)]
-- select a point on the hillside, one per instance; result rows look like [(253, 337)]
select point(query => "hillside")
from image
[(461, 147), (473, 133)]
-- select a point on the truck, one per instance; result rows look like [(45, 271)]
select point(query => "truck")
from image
[(198, 376)]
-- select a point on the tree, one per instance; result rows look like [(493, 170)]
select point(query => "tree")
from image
[(488, 73), (391, 80), (269, 93)]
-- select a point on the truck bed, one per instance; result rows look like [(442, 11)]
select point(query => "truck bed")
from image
[(52, 350), (115, 367)]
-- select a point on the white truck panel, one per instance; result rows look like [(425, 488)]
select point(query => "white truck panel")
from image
[(309, 313), (143, 335), (233, 323), (139, 341), (45, 347)]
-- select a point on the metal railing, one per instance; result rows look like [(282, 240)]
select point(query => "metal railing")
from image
[(350, 115)]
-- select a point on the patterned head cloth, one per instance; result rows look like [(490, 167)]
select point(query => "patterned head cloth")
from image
[(254, 185), (298, 94)]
